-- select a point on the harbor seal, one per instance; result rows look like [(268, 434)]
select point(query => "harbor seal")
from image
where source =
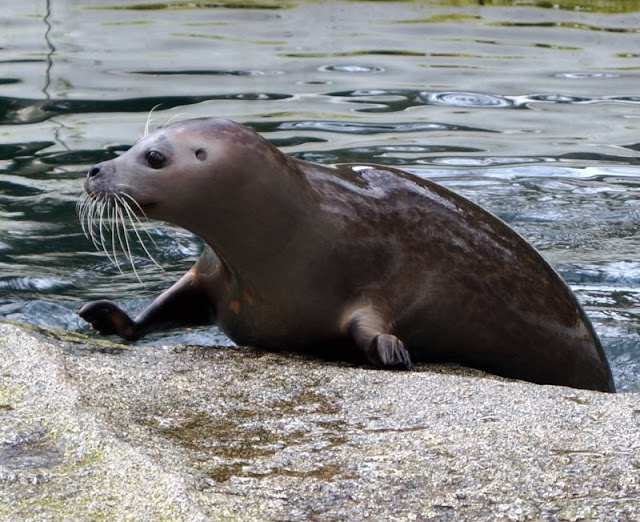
[(360, 258)]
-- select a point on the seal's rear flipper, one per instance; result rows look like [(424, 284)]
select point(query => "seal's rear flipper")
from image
[(369, 333), (388, 351)]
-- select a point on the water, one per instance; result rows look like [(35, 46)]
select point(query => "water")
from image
[(533, 111)]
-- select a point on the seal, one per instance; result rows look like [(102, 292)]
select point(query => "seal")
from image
[(352, 258)]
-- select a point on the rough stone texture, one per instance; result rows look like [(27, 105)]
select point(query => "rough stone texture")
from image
[(94, 430)]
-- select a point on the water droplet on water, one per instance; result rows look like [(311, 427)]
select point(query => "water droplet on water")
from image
[(465, 99), (351, 68), (586, 75)]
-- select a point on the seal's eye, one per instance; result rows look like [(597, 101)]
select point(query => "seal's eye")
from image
[(155, 159)]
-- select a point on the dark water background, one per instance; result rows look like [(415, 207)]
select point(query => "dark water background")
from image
[(531, 110)]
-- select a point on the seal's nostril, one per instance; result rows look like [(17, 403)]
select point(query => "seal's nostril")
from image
[(94, 171)]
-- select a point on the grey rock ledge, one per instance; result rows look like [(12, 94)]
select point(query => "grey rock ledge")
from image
[(95, 430)]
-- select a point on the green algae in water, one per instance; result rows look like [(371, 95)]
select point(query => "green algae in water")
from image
[(230, 4), (589, 6), (568, 25)]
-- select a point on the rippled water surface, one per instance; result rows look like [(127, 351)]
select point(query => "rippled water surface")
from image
[(531, 110)]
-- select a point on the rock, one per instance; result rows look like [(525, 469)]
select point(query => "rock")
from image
[(96, 430)]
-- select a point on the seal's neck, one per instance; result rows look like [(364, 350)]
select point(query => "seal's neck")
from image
[(257, 224)]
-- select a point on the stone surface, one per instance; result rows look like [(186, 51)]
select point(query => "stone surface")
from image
[(94, 430)]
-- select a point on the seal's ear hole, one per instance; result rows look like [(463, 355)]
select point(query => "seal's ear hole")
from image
[(201, 154)]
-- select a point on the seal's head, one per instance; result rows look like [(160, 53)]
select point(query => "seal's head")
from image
[(210, 176), (168, 170)]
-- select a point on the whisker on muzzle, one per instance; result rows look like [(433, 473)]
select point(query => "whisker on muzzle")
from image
[(133, 219), (113, 215)]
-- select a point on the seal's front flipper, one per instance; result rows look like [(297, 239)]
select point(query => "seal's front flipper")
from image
[(369, 333), (184, 304), (106, 318)]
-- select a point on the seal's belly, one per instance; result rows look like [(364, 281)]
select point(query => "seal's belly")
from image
[(246, 321)]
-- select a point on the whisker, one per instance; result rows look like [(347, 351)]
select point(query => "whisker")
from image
[(85, 214), (92, 214), (84, 222), (101, 225), (142, 225), (117, 226), (147, 124), (126, 247), (114, 230), (114, 214), (110, 225), (81, 207), (131, 198), (131, 216), (174, 117)]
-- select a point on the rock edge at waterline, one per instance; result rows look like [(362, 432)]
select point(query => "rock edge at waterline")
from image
[(91, 429)]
